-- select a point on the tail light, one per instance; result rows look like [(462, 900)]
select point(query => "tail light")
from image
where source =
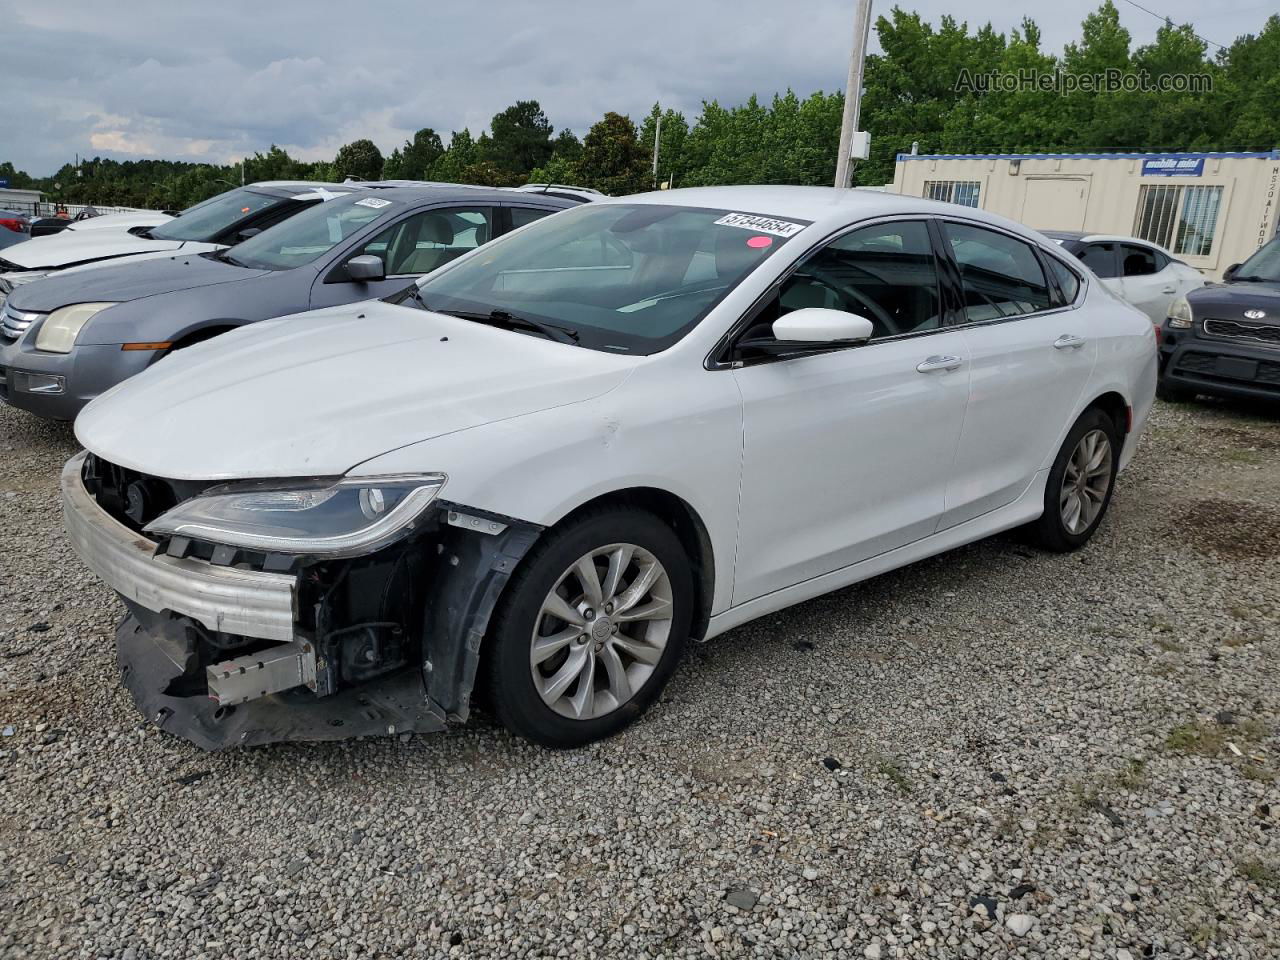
[(11, 223)]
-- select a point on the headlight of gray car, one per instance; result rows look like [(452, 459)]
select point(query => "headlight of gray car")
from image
[(1180, 314), (59, 331), (347, 518)]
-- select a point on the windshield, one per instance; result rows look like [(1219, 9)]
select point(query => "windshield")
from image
[(206, 220), (311, 233), (631, 278), (1263, 265)]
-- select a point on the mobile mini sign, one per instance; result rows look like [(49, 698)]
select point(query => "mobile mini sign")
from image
[(1173, 167)]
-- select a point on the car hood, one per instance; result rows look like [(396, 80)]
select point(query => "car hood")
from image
[(73, 247), (120, 221), (318, 393), (1230, 300), (132, 280)]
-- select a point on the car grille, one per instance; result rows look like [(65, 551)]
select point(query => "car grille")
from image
[(1238, 330), (14, 323), (1205, 365)]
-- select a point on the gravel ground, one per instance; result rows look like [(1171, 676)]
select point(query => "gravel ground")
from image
[(996, 752)]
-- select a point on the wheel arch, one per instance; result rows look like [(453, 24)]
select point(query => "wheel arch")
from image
[(1115, 406), (206, 330), (684, 521)]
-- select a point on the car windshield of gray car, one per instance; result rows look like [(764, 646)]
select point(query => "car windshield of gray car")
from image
[(311, 233), (1263, 266), (207, 220), (631, 278)]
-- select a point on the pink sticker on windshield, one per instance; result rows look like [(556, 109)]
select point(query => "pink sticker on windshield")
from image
[(759, 243)]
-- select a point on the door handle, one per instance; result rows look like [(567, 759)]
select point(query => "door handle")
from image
[(1169, 290), (1068, 341), (938, 362)]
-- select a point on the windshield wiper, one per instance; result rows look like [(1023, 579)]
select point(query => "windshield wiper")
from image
[(509, 321), (1253, 278)]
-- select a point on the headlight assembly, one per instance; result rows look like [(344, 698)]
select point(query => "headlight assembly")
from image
[(322, 518), (59, 331), (1180, 314)]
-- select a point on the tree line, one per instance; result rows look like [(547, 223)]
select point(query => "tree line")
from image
[(921, 89)]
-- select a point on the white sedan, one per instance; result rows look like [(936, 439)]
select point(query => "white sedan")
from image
[(548, 465), (1143, 273)]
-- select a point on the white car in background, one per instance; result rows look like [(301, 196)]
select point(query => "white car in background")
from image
[(1143, 273), (545, 466), (215, 224)]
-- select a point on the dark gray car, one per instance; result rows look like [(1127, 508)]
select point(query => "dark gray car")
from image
[(66, 339)]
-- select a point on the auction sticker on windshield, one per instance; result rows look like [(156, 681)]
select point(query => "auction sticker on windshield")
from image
[(376, 202), (749, 221)]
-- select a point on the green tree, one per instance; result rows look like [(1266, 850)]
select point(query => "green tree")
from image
[(520, 138), (675, 130), (1245, 98), (360, 158), (414, 160), (563, 165), (460, 154), (612, 159), (18, 180)]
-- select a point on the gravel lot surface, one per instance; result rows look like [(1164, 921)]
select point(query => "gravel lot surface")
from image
[(996, 752)]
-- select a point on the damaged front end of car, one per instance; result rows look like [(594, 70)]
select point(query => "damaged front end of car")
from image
[(244, 631)]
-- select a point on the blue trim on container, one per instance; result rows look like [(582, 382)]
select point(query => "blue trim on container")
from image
[(1272, 155)]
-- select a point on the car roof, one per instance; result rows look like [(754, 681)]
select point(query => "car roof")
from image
[(1120, 238), (827, 208), (1084, 237), (424, 190), (291, 188)]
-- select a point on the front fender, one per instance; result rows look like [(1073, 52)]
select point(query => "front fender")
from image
[(653, 431)]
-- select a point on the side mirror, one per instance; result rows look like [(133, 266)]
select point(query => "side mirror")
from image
[(1230, 272), (246, 233), (366, 267), (822, 325)]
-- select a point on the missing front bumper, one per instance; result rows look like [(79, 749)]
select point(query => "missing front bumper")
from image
[(216, 653), (151, 659), (247, 602)]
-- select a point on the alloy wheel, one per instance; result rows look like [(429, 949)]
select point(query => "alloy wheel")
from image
[(601, 631), (1086, 482)]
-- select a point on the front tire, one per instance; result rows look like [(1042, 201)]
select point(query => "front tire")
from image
[(1080, 484), (590, 628)]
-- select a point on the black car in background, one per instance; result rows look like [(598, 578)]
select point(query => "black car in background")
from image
[(1224, 338)]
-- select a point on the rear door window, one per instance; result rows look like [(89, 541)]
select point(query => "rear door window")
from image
[(1068, 282), (525, 215), (1100, 258), (1000, 276), (1138, 261)]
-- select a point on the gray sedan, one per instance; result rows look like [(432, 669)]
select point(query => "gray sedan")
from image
[(66, 339)]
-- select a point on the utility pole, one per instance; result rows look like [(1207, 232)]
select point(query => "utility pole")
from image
[(853, 93), (657, 139)]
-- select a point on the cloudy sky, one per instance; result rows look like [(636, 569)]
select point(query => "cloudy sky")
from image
[(213, 81)]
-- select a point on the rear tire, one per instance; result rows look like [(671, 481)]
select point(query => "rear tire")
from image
[(590, 628), (1080, 484)]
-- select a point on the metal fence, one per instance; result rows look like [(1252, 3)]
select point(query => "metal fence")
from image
[(47, 209)]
